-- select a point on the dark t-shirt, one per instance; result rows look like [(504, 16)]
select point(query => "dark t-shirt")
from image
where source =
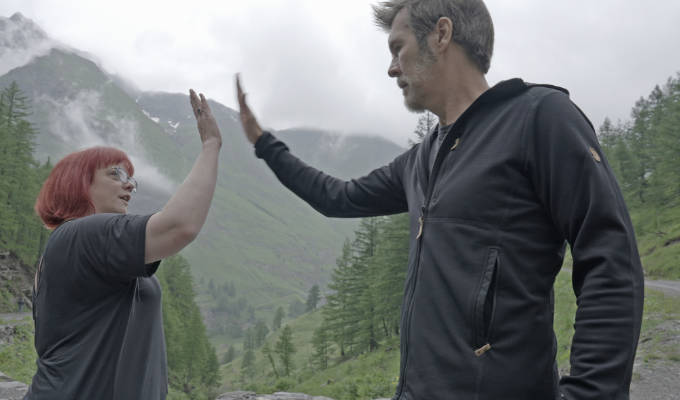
[(97, 310), (439, 137)]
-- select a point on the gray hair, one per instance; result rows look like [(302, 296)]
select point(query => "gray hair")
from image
[(472, 25)]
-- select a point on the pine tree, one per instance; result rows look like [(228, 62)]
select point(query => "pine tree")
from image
[(248, 366), (313, 298), (322, 348), (643, 152), (665, 179), (229, 355), (391, 262), (249, 340), (192, 362), (285, 349), (365, 271), (338, 310), (426, 123), (261, 332), (278, 318), (267, 351), (20, 178)]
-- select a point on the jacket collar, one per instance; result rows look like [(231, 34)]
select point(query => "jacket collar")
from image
[(498, 93)]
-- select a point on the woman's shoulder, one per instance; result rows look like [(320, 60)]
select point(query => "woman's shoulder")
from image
[(96, 223), (100, 219)]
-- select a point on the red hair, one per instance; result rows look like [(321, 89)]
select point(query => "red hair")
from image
[(66, 192)]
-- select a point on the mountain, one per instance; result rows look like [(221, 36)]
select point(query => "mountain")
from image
[(267, 243)]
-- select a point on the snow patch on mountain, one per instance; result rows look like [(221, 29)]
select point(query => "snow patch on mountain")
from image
[(154, 119)]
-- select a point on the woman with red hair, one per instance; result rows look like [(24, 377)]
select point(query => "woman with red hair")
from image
[(96, 301)]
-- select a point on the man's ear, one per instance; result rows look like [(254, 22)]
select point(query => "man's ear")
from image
[(442, 34)]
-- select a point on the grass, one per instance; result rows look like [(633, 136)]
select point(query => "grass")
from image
[(658, 235), (303, 330), (367, 376), (17, 359), (660, 335), (565, 310)]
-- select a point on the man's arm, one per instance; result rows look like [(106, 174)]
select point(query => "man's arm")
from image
[(378, 193), (578, 189)]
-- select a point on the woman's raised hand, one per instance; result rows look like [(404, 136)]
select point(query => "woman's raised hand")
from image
[(207, 126)]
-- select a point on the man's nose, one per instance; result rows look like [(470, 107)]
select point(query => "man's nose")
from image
[(393, 70), (128, 186)]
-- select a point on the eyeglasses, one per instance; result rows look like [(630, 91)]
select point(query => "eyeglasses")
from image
[(123, 176)]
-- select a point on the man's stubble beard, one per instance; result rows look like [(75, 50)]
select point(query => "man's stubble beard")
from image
[(413, 100)]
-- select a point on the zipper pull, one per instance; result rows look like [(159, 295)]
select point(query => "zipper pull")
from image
[(455, 144), (421, 221), (482, 350)]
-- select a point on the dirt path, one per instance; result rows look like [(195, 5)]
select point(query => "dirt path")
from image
[(669, 287), (657, 379), (14, 316)]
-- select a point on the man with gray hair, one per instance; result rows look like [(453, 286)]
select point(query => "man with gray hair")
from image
[(511, 175)]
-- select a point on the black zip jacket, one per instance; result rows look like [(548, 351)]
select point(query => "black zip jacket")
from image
[(520, 173)]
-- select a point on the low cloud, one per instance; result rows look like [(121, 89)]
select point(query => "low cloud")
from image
[(20, 42), (83, 122)]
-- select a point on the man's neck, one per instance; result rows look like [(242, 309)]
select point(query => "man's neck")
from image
[(458, 95), (459, 84)]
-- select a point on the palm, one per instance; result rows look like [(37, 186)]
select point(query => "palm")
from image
[(248, 121)]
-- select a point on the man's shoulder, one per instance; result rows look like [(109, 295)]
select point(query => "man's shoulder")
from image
[(541, 90)]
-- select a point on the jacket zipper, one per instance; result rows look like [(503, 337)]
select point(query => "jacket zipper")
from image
[(445, 148)]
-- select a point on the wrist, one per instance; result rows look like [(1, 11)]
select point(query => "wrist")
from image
[(255, 137), (212, 143)]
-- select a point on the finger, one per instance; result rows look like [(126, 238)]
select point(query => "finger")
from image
[(244, 109), (239, 90), (195, 105), (204, 104), (242, 103)]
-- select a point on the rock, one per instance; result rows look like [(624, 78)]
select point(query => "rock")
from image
[(10, 389), (292, 396), (16, 280), (237, 396), (275, 396)]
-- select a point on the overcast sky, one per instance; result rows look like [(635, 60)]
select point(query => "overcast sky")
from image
[(323, 64)]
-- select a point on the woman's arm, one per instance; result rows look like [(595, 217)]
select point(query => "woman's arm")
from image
[(179, 222)]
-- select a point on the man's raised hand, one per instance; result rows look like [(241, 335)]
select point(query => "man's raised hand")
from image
[(248, 121)]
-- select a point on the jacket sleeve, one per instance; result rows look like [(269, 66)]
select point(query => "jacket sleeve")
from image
[(577, 187), (379, 193)]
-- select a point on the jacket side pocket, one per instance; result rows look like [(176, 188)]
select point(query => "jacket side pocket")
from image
[(485, 304)]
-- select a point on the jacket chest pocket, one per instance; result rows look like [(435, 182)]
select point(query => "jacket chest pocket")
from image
[(484, 305)]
